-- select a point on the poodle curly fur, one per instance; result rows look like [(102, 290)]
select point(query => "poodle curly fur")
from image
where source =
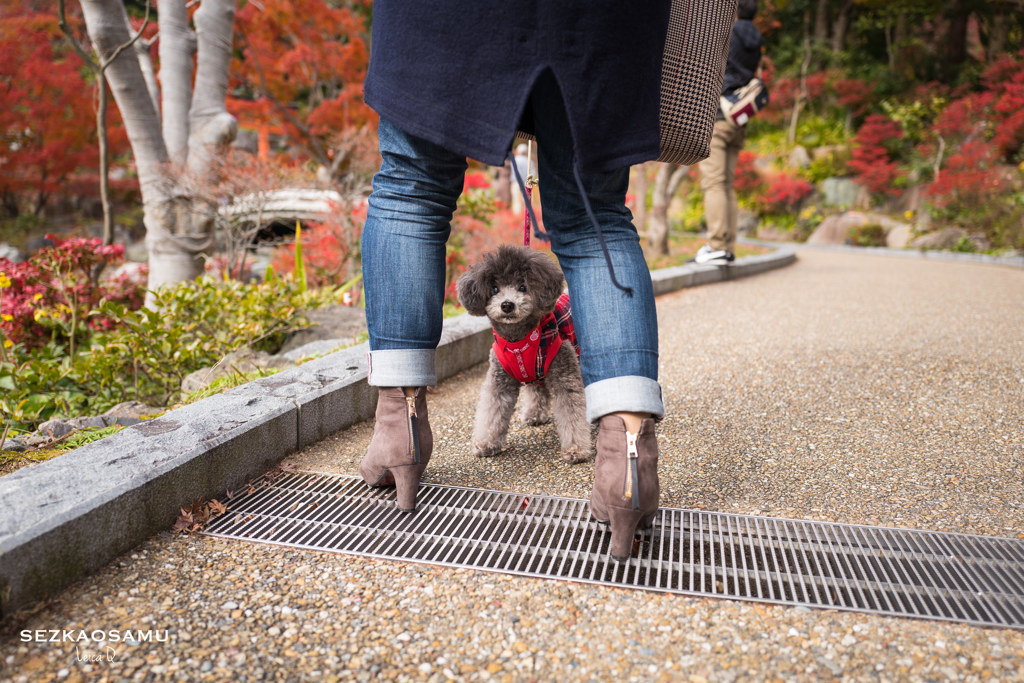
[(515, 287)]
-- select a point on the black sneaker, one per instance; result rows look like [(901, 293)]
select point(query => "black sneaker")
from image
[(717, 257)]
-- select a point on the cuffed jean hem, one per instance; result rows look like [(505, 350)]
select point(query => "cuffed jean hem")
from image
[(631, 394), (402, 368)]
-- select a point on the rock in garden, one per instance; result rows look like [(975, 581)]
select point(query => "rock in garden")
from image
[(947, 238), (899, 237), (799, 158), (237, 362), (62, 426), (836, 229), (839, 192), (11, 253), (131, 412), (330, 322)]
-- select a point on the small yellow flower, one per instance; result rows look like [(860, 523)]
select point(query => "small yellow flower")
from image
[(37, 296), (5, 281), (908, 214), (7, 317), (39, 314), (8, 343)]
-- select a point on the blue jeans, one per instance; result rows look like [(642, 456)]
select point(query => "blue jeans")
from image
[(403, 246)]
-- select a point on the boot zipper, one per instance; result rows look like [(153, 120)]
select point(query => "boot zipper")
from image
[(632, 489), (414, 441)]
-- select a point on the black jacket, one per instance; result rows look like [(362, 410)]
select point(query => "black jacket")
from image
[(745, 46), (459, 73)]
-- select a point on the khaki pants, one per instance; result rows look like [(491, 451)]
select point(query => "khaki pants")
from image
[(717, 174)]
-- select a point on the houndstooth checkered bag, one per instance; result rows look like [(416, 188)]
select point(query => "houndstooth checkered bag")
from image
[(691, 76)]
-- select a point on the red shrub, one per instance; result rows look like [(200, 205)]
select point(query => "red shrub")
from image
[(1005, 79), (782, 195), (330, 250), (51, 294), (476, 180), (783, 93), (966, 116), (747, 178), (854, 94), (969, 179), (872, 161)]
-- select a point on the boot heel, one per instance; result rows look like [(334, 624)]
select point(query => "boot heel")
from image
[(407, 483), (623, 525)]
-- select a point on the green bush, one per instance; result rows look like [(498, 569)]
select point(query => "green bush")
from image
[(868, 235), (148, 352)]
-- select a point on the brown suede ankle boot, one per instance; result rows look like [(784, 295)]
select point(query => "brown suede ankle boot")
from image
[(401, 444), (626, 488)]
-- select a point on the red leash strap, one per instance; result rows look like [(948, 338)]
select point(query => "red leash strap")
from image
[(526, 217)]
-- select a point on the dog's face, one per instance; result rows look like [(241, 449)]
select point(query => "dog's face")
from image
[(511, 286), (510, 302)]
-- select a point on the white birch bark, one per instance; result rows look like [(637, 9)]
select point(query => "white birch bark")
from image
[(177, 48), (666, 184), (175, 152)]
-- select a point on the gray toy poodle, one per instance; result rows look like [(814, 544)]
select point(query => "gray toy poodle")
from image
[(520, 291)]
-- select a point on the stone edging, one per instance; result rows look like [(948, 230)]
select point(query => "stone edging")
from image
[(908, 252), (68, 516)]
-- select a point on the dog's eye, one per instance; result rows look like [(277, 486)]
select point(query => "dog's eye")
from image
[(522, 288), (494, 289)]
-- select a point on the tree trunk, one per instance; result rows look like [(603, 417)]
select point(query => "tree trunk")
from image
[(179, 225), (801, 95), (998, 24), (177, 49), (666, 184), (502, 184), (101, 133), (955, 43), (840, 25), (821, 24)]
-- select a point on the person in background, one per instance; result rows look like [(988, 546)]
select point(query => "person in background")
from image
[(718, 171), (584, 78)]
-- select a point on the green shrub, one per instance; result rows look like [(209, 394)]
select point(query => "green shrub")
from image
[(868, 235), (147, 353)]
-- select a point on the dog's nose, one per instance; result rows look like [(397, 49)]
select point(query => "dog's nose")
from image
[(507, 307)]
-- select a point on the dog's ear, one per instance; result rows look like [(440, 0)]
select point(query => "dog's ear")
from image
[(473, 290), (547, 279)]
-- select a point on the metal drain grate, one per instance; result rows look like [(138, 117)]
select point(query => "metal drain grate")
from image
[(954, 577)]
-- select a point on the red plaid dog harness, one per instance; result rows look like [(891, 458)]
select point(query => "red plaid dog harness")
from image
[(528, 359)]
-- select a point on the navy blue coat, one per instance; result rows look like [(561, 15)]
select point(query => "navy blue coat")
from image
[(459, 73)]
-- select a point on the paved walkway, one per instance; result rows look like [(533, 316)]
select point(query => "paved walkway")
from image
[(848, 387)]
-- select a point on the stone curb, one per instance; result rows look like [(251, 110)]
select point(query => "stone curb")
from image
[(67, 517), (907, 253)]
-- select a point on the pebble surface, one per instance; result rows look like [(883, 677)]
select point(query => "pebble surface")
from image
[(847, 387)]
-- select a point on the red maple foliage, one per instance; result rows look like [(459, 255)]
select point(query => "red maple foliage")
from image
[(782, 194), (970, 178), (45, 122), (746, 179), (1005, 80), (329, 249), (965, 117), (854, 94), (299, 72), (872, 160)]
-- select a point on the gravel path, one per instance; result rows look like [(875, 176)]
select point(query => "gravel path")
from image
[(848, 387)]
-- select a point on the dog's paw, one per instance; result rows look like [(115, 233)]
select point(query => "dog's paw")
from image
[(576, 455), (485, 451), (535, 419)]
